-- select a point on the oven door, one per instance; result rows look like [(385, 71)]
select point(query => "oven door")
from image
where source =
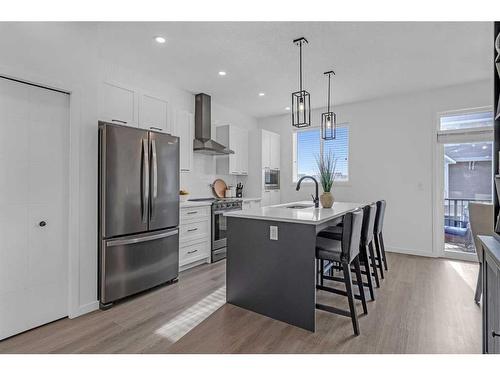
[(219, 228)]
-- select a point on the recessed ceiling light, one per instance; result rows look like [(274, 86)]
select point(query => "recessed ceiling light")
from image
[(485, 147), (473, 145), (222, 73), (262, 93), (287, 108), (160, 39)]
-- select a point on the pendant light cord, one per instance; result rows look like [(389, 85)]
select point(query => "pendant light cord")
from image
[(329, 79), (300, 67)]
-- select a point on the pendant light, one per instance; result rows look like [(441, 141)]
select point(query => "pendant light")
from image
[(328, 118), (301, 100)]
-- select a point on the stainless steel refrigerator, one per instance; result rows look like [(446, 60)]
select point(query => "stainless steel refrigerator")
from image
[(138, 210)]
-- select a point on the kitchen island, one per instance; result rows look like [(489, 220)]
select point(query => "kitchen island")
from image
[(271, 258)]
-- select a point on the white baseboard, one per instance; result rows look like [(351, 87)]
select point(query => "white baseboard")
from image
[(84, 309), (410, 252)]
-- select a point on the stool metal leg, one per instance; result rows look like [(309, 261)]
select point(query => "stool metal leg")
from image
[(361, 288), (382, 248), (350, 297), (373, 264), (369, 274), (379, 256)]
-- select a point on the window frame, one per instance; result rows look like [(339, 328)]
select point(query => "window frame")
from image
[(294, 154)]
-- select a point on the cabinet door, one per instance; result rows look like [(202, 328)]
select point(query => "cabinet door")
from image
[(117, 104), (184, 129), (266, 149), (234, 144), (275, 197), (153, 114), (492, 296), (275, 151), (243, 145)]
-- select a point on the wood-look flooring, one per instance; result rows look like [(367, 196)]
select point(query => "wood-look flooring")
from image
[(424, 305)]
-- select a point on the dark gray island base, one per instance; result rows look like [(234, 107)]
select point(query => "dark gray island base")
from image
[(275, 278)]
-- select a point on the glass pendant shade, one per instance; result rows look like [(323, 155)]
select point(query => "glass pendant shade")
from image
[(301, 100), (301, 109), (328, 118), (328, 125)]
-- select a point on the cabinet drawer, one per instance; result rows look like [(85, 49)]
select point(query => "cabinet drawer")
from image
[(195, 213), (194, 230), (194, 252)]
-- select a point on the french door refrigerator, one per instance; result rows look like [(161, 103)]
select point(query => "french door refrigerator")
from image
[(138, 210)]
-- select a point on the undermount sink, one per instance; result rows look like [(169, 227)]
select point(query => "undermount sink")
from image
[(300, 206)]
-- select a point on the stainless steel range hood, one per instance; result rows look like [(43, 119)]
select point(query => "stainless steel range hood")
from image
[(203, 142)]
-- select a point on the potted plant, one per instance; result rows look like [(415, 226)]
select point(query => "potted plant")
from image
[(326, 171)]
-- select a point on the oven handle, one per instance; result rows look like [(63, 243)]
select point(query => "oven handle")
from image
[(222, 211)]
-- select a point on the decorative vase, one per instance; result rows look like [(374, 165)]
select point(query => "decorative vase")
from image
[(326, 200)]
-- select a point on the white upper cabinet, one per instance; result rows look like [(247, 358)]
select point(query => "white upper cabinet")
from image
[(153, 113), (118, 104), (275, 151), (270, 150), (184, 129), (236, 139)]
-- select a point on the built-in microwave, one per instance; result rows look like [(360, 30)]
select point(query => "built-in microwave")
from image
[(271, 179)]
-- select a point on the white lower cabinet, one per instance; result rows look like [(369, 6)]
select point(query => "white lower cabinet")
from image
[(194, 236)]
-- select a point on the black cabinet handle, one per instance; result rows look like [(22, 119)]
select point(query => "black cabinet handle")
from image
[(42, 223), (120, 121), (155, 128), (494, 334), (192, 251), (192, 230)]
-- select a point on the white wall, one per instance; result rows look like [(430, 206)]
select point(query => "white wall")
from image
[(66, 56), (391, 157)]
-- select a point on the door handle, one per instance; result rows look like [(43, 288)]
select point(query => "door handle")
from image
[(494, 334), (154, 166), (42, 223), (145, 179), (130, 241)]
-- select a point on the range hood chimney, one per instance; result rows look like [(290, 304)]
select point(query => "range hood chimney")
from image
[(203, 142)]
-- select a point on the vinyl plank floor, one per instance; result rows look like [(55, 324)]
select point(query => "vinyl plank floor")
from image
[(424, 305)]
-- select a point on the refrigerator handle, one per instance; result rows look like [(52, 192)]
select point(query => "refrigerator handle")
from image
[(154, 166), (145, 179)]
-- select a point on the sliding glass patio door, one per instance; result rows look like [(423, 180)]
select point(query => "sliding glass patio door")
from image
[(463, 175)]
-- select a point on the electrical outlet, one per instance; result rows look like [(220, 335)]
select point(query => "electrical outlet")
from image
[(273, 232)]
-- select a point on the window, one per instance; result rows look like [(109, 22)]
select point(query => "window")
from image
[(466, 121), (308, 145)]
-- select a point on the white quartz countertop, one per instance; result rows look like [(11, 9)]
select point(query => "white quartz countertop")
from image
[(309, 215)]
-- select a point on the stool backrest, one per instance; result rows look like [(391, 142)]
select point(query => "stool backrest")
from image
[(369, 213), (379, 218), (351, 234)]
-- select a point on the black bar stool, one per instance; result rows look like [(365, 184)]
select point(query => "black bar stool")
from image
[(345, 252), (366, 249), (379, 239)]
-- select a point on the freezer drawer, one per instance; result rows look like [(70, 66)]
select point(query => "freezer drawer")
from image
[(135, 263)]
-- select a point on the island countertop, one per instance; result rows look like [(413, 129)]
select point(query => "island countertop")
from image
[(308, 215)]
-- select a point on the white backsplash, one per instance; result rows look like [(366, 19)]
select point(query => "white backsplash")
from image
[(197, 182)]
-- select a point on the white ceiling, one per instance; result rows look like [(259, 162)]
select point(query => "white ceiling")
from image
[(370, 59)]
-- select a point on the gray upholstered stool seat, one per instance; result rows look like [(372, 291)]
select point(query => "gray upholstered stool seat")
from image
[(328, 249)]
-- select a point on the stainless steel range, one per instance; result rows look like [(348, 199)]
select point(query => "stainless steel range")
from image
[(219, 224)]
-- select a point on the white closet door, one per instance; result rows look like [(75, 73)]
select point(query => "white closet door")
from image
[(33, 189)]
